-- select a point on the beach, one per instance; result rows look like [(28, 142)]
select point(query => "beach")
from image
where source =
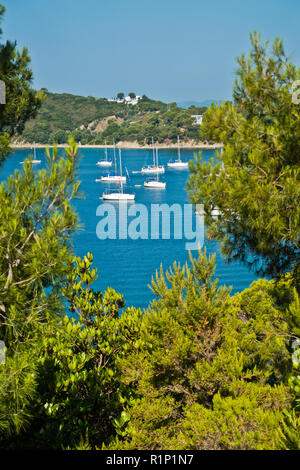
[(127, 145)]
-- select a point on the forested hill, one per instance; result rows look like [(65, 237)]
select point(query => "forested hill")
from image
[(92, 120)]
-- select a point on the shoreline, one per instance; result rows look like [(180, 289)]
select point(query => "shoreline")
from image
[(126, 145)]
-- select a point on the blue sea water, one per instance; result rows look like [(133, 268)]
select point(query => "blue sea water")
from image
[(128, 265)]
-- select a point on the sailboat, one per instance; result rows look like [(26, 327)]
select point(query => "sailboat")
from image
[(106, 162), (112, 177), (154, 183), (120, 195), (152, 169), (178, 163), (34, 160)]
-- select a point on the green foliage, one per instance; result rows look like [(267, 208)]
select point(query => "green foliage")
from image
[(35, 220), (233, 423), (17, 387), (211, 371), (79, 392), (256, 185), (288, 434), (5, 148), (199, 370)]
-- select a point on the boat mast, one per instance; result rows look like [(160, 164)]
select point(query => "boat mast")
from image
[(120, 170), (178, 149), (115, 158), (157, 163), (105, 151), (153, 150)]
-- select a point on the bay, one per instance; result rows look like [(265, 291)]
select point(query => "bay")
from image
[(128, 265)]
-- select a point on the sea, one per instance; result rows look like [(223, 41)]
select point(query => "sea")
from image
[(126, 263)]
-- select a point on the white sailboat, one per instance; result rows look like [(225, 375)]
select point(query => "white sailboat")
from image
[(120, 195), (179, 164), (112, 177), (153, 169), (150, 170), (34, 160), (106, 162), (154, 183)]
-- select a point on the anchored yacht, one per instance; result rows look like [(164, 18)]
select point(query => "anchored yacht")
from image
[(154, 183), (118, 195), (179, 164)]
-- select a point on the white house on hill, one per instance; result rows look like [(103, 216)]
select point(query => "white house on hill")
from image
[(127, 100), (198, 118)]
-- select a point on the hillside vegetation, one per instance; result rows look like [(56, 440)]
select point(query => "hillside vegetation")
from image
[(92, 120)]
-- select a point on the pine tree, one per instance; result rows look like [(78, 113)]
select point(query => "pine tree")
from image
[(36, 220), (255, 185), (22, 102), (80, 398), (211, 371)]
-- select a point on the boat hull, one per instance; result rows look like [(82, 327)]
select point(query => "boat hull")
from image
[(178, 165), (155, 185), (118, 197), (112, 179), (153, 170)]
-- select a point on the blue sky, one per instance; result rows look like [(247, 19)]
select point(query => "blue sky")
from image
[(173, 50)]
